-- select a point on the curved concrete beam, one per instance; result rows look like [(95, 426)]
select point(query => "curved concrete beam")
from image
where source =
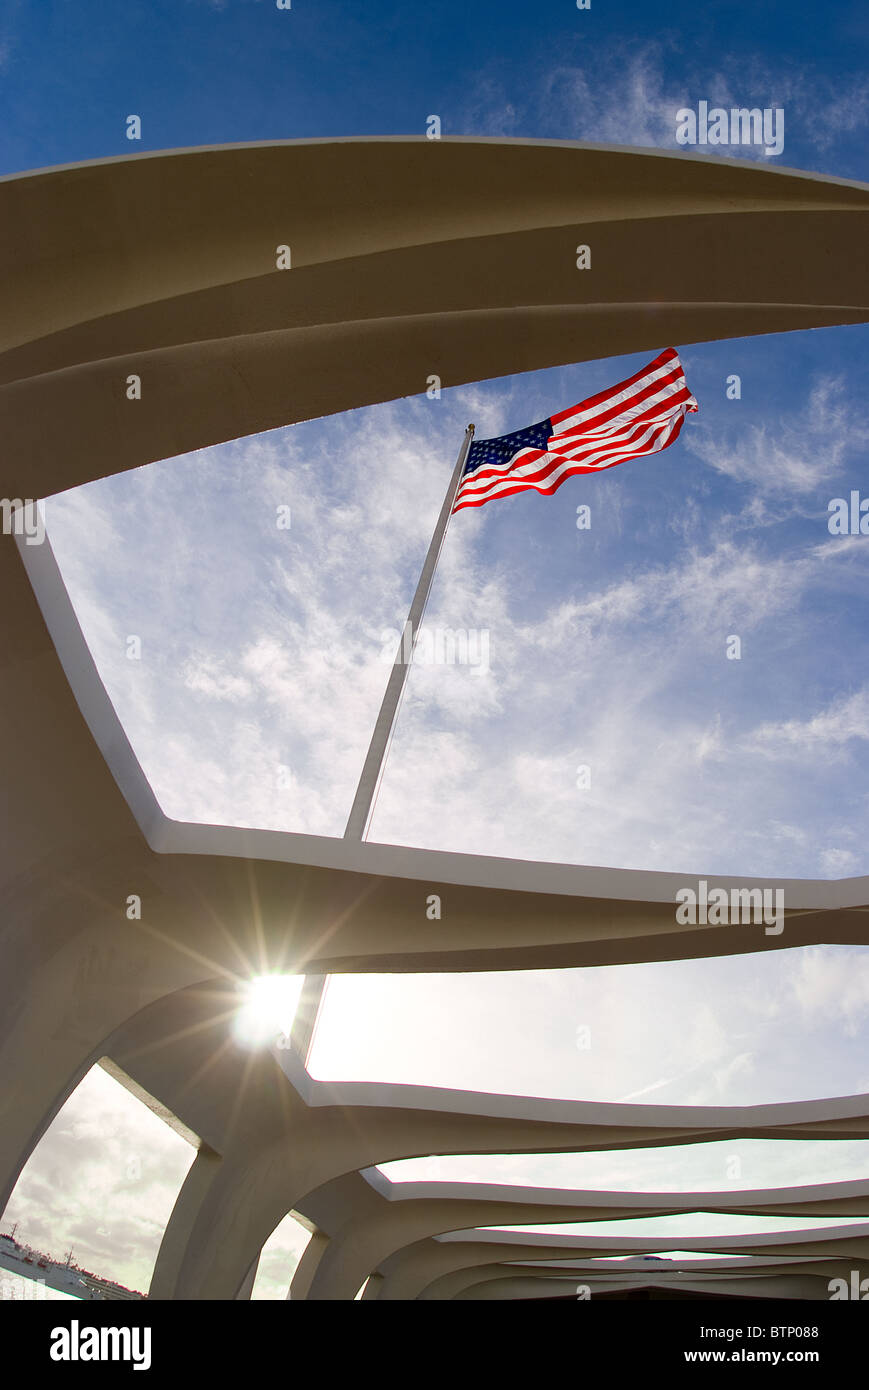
[(235, 906), (73, 855), (282, 1135), (782, 1286), (98, 284), (628, 1272), (367, 1240), (417, 1269), (307, 1267), (584, 915), (213, 895), (191, 251)]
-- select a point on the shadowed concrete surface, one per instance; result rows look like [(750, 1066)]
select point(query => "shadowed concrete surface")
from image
[(412, 1273), (588, 1280)]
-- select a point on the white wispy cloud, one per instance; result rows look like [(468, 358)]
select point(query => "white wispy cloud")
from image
[(262, 659), (844, 719), (630, 93), (790, 458)]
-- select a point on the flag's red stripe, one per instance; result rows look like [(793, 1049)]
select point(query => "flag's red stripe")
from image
[(561, 443), (668, 355), (647, 416), (657, 393), (630, 447), (615, 443), (571, 471), (661, 387)]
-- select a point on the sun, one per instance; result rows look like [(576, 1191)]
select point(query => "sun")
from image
[(268, 1010)]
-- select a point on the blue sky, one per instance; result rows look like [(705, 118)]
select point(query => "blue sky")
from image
[(215, 71), (261, 672)]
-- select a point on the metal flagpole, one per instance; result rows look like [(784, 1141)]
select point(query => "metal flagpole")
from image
[(372, 770), (360, 814)]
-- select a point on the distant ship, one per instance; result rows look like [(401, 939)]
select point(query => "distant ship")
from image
[(64, 1278)]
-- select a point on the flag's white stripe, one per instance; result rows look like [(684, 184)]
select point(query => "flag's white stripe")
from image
[(626, 444), (548, 484), (549, 478), (559, 443), (501, 467), (574, 447), (641, 418), (542, 470), (668, 396), (586, 412), (577, 445), (671, 370)]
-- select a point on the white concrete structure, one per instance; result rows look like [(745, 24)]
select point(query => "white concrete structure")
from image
[(164, 266)]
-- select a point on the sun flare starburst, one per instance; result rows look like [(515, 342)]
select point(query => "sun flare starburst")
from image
[(268, 1010)]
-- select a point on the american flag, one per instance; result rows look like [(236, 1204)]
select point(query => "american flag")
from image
[(639, 416)]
